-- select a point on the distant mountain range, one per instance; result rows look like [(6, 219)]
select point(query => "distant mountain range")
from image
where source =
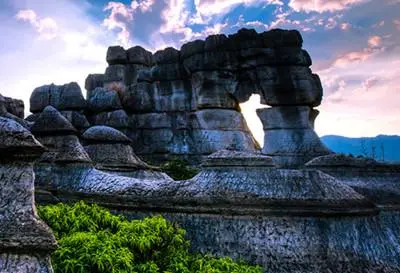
[(381, 147)]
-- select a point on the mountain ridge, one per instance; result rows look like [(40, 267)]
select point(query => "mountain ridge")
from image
[(381, 147)]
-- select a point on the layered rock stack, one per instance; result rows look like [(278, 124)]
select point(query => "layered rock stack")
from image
[(186, 102), (13, 109), (25, 241), (111, 152), (104, 108), (67, 99)]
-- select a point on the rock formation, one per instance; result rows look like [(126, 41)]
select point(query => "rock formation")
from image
[(13, 109), (186, 102), (111, 152), (289, 135), (104, 108), (376, 180), (25, 241), (332, 214), (67, 99), (67, 168)]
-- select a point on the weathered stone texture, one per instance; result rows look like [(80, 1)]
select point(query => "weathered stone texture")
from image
[(64, 97), (25, 241), (289, 135), (215, 74)]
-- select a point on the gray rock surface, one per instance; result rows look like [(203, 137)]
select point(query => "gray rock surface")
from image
[(111, 152), (116, 55), (92, 82), (376, 180), (102, 100), (217, 73), (289, 135), (25, 241), (55, 132), (62, 97), (13, 109)]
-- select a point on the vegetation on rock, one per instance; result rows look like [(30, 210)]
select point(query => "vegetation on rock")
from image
[(93, 240), (179, 170)]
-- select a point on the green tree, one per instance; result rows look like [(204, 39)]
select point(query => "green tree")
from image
[(93, 240)]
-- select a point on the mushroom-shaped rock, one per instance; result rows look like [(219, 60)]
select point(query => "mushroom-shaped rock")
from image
[(377, 180), (25, 241), (248, 182), (111, 151), (59, 136)]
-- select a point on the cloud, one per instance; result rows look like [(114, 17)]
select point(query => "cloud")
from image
[(396, 22), (374, 47), (118, 19), (322, 5), (374, 41), (121, 17), (144, 6), (369, 83), (46, 27), (221, 7), (345, 26)]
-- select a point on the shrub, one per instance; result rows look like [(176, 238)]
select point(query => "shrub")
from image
[(179, 170), (92, 240)]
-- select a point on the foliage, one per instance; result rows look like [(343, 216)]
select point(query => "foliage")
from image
[(92, 240), (179, 170)]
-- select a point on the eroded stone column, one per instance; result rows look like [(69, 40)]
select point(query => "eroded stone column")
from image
[(289, 135), (25, 241)]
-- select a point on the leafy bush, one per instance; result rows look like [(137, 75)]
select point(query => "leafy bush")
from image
[(92, 240), (179, 170)]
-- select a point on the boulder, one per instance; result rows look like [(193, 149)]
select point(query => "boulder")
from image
[(62, 97), (15, 107), (117, 119), (116, 55), (102, 100), (92, 82), (214, 89), (138, 55), (168, 55), (289, 85), (139, 97), (191, 48)]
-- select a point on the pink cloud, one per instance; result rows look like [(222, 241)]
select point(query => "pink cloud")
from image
[(46, 27), (374, 47), (396, 22), (345, 26), (374, 41), (369, 83), (322, 5)]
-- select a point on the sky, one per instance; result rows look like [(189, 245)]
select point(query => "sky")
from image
[(354, 44)]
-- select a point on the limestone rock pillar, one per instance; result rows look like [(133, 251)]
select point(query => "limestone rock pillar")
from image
[(25, 241), (289, 136)]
